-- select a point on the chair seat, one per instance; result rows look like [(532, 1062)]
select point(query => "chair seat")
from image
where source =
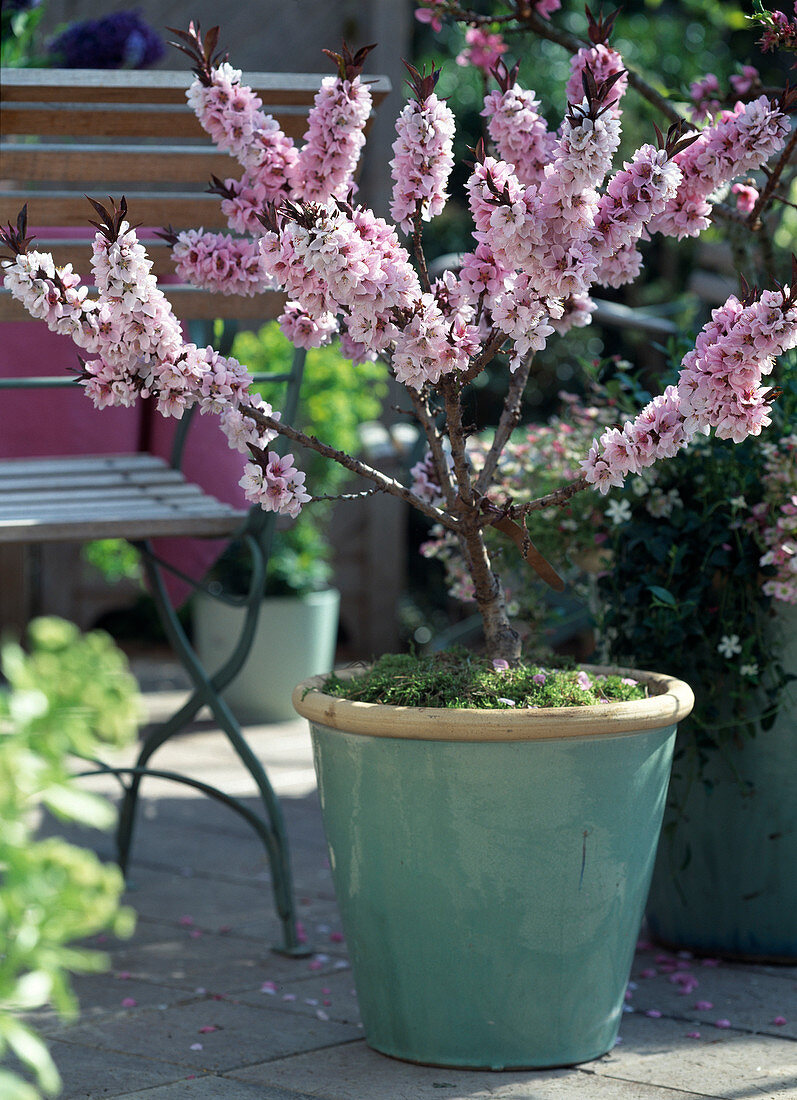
[(133, 496)]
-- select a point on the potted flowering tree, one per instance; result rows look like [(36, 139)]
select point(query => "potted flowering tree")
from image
[(492, 829)]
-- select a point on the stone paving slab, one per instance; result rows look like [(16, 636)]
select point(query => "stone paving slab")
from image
[(330, 996), (243, 1035), (211, 1087), (219, 963), (729, 1064), (91, 1073), (355, 1072), (749, 999)]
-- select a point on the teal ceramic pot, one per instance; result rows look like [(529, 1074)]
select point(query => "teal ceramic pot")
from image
[(725, 881), (491, 868)]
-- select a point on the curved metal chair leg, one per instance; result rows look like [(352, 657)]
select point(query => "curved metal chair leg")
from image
[(206, 692)]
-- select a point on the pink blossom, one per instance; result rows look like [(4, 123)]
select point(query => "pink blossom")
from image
[(746, 197), (428, 15), (483, 49)]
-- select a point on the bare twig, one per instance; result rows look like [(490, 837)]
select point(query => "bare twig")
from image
[(773, 180), (510, 417), (555, 499), (434, 439)]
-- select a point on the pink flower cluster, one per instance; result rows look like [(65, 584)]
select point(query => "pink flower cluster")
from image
[(657, 432), (483, 49), (739, 141), (704, 94), (423, 159), (324, 168), (220, 263), (131, 328), (603, 62), (229, 111), (277, 486), (241, 430), (720, 379), (518, 132), (634, 196), (719, 386)]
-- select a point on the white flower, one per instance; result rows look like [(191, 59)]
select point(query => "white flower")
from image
[(750, 670), (738, 502), (729, 645), (618, 511)]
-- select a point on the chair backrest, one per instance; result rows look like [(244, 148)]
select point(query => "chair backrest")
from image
[(71, 132)]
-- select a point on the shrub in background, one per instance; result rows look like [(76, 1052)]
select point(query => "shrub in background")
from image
[(67, 696)]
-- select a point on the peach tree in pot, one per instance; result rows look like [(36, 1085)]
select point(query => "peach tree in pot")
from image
[(547, 815)]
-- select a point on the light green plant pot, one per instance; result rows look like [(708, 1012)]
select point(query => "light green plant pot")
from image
[(725, 881), (295, 638), (491, 868)]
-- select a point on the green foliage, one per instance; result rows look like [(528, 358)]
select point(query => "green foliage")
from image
[(336, 398), (68, 695), (18, 27), (458, 678), (115, 559)]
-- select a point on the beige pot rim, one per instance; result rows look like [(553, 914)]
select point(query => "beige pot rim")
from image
[(669, 702)]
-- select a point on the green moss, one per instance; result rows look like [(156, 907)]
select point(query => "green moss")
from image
[(457, 678)]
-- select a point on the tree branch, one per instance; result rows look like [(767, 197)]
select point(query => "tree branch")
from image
[(510, 417), (387, 484), (434, 439)]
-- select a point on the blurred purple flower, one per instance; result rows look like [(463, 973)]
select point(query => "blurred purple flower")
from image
[(118, 41)]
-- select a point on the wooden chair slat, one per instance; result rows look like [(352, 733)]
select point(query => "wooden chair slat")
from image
[(69, 208), (117, 86), (154, 121), (130, 527), (121, 165), (130, 465)]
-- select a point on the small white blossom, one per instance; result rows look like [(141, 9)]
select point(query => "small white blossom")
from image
[(750, 670), (729, 645), (618, 511)]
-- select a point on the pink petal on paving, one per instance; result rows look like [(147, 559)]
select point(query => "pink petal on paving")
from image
[(195, 934), (325, 989), (322, 1015), (648, 972), (129, 1002), (653, 1013), (196, 1046), (123, 975), (269, 987), (693, 1034), (289, 996), (224, 929), (336, 937), (722, 1024), (315, 964), (779, 1021), (704, 1006), (186, 921), (328, 1003), (301, 932), (207, 1028)]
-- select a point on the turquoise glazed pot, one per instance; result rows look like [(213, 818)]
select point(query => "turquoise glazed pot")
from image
[(725, 881), (491, 868)]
